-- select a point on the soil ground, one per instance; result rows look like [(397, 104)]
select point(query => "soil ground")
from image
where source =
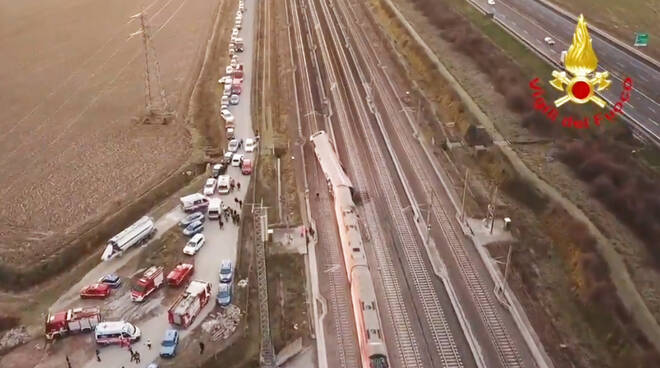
[(77, 89), (621, 19)]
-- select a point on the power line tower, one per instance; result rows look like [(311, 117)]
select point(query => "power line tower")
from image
[(156, 108)]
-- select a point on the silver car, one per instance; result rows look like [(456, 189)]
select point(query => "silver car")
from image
[(234, 99)]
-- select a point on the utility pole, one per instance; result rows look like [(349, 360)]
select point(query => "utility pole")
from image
[(506, 267), (428, 217), (155, 101), (465, 183)]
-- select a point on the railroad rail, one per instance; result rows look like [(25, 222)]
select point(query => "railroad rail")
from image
[(486, 306), (339, 299), (436, 322)]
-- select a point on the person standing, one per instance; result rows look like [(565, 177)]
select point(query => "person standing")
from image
[(68, 362), (149, 340), (201, 348), (98, 355), (238, 185)]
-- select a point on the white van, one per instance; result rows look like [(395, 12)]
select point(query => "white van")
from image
[(113, 332), (223, 184), (215, 208), (194, 202)]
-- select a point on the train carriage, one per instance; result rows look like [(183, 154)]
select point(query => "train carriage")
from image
[(373, 350)]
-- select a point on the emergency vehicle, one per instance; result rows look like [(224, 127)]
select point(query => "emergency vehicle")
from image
[(71, 321), (150, 280), (187, 306)]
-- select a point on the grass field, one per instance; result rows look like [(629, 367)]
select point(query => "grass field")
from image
[(621, 18)]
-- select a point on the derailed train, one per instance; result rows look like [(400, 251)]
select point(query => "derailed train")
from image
[(373, 350)]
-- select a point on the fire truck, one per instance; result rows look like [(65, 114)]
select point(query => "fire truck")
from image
[(150, 280), (71, 321), (179, 274), (188, 305)]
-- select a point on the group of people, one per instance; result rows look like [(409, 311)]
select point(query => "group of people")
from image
[(228, 212)]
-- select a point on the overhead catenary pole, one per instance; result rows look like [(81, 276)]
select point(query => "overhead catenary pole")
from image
[(465, 183)]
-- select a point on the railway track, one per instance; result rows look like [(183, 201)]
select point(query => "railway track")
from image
[(484, 301), (337, 295), (436, 322)]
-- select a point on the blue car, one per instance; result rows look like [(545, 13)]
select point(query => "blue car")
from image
[(111, 279), (194, 228), (168, 346), (224, 295)]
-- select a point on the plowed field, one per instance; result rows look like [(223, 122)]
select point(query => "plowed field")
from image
[(72, 89)]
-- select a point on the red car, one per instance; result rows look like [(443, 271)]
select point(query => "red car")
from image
[(95, 291), (236, 89), (246, 166)]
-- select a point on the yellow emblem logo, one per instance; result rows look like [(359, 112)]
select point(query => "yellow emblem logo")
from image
[(581, 62)]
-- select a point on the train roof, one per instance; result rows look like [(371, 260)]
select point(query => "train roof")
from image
[(329, 160)]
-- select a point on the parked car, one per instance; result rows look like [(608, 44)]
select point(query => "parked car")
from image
[(153, 365), (100, 291), (224, 294), (195, 216), (194, 244), (111, 280), (225, 80), (209, 186), (236, 159), (232, 146), (236, 89), (246, 166), (219, 169), (226, 159), (169, 344), (227, 115), (491, 2), (194, 228), (234, 99), (250, 144), (549, 41), (226, 271), (229, 69)]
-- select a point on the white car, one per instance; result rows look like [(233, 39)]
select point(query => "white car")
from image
[(234, 99), (227, 115), (224, 100), (250, 145), (194, 244), (234, 62), (236, 159), (233, 145), (227, 90), (226, 79), (491, 2), (229, 69), (209, 186), (234, 32), (549, 41)]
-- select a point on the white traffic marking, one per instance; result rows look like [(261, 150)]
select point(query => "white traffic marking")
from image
[(655, 122), (525, 31), (652, 109), (631, 106)]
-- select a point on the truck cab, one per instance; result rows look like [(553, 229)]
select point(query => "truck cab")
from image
[(179, 274), (150, 280)]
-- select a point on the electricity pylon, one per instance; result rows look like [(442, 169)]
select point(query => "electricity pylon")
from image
[(155, 102)]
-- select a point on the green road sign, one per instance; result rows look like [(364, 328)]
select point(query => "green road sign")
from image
[(641, 39)]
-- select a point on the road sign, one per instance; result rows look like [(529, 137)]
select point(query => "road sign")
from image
[(641, 39)]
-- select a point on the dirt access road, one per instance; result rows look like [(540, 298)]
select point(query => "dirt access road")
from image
[(73, 83)]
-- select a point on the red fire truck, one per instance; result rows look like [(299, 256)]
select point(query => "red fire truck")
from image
[(71, 321), (179, 274), (150, 280), (188, 305)]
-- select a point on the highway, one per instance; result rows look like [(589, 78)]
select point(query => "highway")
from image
[(433, 315), (533, 21)]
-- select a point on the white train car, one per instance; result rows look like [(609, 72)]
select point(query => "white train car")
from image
[(329, 161), (373, 350)]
